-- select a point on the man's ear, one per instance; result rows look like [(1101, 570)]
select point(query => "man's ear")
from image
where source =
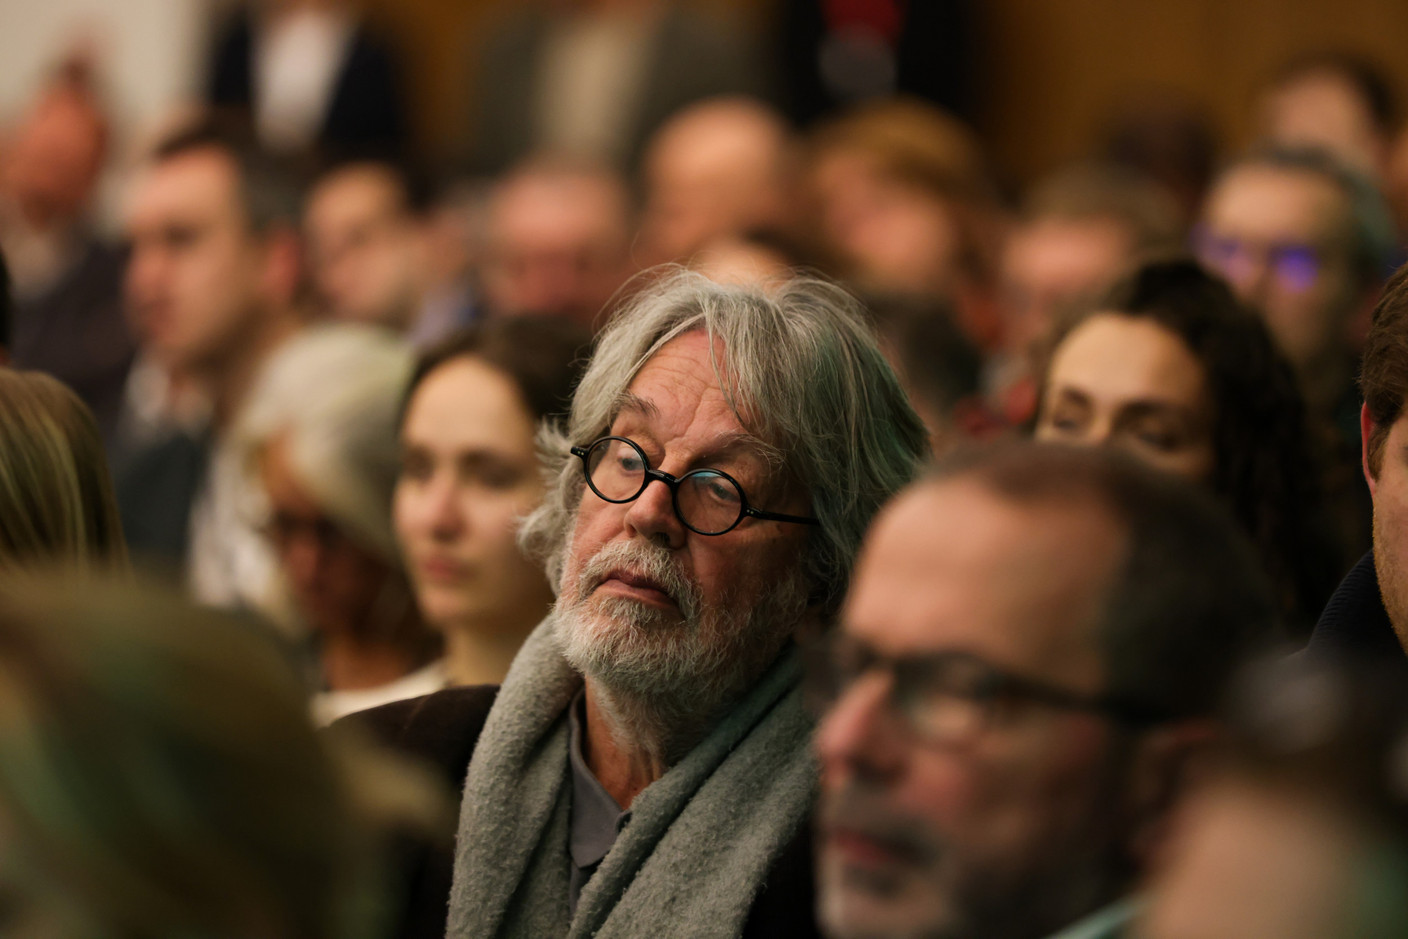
[(1168, 760), (1366, 430)]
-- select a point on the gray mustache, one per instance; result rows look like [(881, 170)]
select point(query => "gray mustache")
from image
[(644, 560)]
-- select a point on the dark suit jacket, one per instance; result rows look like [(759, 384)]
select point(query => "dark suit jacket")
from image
[(367, 114), (75, 330), (692, 60), (156, 489), (1355, 625), (442, 729)]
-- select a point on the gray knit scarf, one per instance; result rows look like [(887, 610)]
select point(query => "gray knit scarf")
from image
[(700, 840)]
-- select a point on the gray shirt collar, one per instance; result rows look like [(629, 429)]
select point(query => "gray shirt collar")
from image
[(596, 818)]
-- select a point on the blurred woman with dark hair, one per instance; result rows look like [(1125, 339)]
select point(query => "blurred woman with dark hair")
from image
[(1170, 367), (469, 473)]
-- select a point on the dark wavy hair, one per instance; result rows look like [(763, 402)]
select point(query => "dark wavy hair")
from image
[(1265, 466)]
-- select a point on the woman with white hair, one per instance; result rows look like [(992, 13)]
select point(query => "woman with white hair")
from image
[(320, 431)]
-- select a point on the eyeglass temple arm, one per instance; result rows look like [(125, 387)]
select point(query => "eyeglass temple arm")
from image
[(780, 517)]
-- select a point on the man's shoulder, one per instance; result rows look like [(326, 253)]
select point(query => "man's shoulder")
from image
[(1355, 623), (440, 728)]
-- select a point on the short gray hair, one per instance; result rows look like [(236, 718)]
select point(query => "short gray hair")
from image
[(334, 392), (805, 374)]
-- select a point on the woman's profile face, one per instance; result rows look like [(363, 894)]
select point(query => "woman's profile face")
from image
[(469, 473), (1127, 382)]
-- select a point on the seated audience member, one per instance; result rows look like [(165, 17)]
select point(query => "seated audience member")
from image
[(1172, 369), (596, 78), (67, 280), (469, 473), (1165, 136), (558, 241), (1079, 232), (371, 233), (159, 777), (310, 78), (937, 365), (1023, 679), (319, 431), (1334, 101), (646, 768), (755, 258), (1301, 832), (56, 495), (1305, 242), (721, 168), (902, 203), (1368, 615), (212, 284)]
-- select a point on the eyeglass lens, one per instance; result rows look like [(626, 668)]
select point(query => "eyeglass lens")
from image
[(706, 500)]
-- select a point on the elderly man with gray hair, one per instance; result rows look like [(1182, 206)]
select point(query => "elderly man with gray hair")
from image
[(644, 769)]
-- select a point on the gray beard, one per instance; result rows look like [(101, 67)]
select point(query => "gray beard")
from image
[(662, 679)]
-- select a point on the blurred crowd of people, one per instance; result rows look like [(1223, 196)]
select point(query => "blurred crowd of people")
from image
[(1114, 431)]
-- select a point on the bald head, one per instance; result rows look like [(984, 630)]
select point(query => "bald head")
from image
[(720, 168), (558, 240)]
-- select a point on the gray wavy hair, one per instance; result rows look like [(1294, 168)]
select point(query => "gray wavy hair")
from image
[(804, 373)]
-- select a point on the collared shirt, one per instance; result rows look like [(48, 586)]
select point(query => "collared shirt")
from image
[(1108, 922), (596, 819)]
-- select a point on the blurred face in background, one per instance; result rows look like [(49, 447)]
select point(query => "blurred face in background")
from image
[(1322, 108), (196, 278), (1257, 861), (887, 233), (364, 246), (1281, 238), (1052, 262), (950, 817), (720, 169), (469, 473), (557, 245), (54, 158), (335, 581), (1124, 382)]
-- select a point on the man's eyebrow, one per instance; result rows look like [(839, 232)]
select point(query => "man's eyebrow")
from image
[(744, 442), (630, 401), (738, 441)]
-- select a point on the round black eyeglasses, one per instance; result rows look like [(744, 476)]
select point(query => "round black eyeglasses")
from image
[(706, 501)]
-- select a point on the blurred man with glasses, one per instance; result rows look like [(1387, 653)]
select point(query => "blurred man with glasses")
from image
[(1308, 243), (1016, 691), (646, 769)]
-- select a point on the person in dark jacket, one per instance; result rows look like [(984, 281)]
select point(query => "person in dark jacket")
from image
[(1011, 721), (1368, 614), (645, 769)]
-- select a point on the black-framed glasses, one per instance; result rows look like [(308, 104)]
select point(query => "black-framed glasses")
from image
[(706, 501), (948, 696)]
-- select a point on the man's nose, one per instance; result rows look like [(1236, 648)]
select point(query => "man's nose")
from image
[(652, 516), (1249, 274), (859, 733)]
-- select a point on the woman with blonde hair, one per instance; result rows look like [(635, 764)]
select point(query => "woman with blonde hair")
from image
[(56, 493), (159, 777)]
